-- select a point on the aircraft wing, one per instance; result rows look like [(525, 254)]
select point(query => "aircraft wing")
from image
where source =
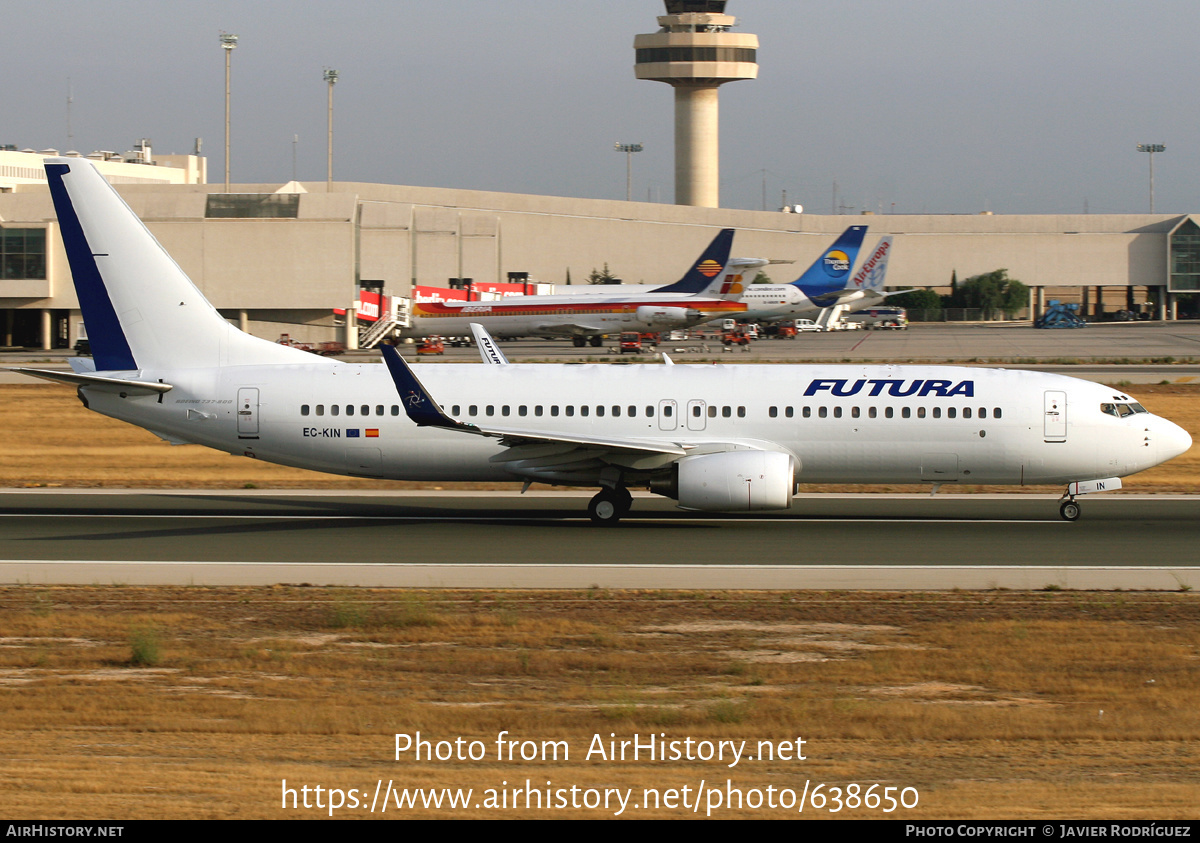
[(426, 412), (570, 328)]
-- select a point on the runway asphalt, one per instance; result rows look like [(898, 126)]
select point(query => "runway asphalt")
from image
[(544, 540)]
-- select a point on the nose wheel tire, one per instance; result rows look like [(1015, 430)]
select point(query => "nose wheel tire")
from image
[(609, 506), (1069, 511)]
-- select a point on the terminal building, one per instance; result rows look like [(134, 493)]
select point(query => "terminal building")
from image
[(282, 258)]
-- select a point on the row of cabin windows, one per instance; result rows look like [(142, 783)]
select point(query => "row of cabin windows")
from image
[(889, 412), (350, 409), (600, 410), (697, 411)]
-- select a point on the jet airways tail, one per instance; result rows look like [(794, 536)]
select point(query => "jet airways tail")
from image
[(707, 275), (141, 310)]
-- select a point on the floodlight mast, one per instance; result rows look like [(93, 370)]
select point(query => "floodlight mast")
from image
[(331, 76), (228, 44), (1151, 148), (628, 149)]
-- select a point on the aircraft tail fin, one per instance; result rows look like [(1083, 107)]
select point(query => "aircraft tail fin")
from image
[(140, 308), (871, 274), (831, 271), (707, 272)]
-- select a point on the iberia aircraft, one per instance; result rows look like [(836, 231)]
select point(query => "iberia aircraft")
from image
[(730, 438), (709, 290)]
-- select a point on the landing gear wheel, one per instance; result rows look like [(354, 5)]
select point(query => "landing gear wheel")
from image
[(609, 506), (579, 342), (596, 341), (1069, 511)]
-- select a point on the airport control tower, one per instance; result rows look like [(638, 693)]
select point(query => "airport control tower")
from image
[(695, 52)]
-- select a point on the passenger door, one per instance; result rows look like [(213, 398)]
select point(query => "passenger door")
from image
[(1055, 416), (247, 412)]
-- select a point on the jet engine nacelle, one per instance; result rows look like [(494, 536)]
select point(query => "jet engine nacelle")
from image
[(663, 317), (737, 481)]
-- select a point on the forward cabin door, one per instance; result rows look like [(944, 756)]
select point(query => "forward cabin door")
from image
[(1055, 416)]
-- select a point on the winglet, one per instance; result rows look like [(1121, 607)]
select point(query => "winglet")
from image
[(488, 349), (418, 403)]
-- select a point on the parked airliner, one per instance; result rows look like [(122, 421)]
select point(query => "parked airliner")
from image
[(707, 291), (727, 438), (827, 283)]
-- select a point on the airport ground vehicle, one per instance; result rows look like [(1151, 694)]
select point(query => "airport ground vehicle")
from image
[(431, 345)]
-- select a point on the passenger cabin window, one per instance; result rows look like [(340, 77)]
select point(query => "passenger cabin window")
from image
[(334, 409), (304, 409)]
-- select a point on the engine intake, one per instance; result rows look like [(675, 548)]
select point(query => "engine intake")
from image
[(736, 481)]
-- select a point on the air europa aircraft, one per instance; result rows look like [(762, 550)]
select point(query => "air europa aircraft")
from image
[(707, 291), (727, 438)]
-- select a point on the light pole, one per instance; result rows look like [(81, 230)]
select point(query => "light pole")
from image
[(228, 43), (1151, 148), (628, 149), (331, 76)]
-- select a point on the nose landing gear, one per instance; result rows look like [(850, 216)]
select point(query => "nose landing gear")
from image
[(1069, 509)]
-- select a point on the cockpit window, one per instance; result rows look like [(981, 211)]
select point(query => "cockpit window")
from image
[(1122, 410)]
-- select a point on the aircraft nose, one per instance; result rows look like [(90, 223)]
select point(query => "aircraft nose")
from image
[(1173, 440)]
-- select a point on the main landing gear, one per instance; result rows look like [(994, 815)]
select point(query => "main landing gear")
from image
[(610, 505)]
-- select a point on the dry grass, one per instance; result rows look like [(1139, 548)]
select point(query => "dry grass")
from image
[(997, 705), (51, 440)]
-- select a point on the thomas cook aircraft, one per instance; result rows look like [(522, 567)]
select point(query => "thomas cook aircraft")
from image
[(824, 284), (728, 438)]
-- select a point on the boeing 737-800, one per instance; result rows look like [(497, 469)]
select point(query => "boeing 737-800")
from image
[(715, 438), (708, 290)]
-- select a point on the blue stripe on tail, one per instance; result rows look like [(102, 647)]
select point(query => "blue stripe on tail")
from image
[(110, 348)]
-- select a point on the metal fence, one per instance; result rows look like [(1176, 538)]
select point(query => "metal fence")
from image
[(960, 314)]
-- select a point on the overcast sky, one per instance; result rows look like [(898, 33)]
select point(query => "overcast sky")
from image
[(910, 106)]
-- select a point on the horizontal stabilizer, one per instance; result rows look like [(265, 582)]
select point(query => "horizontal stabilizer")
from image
[(131, 386)]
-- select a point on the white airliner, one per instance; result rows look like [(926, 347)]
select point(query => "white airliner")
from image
[(826, 283), (707, 291), (725, 438)]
